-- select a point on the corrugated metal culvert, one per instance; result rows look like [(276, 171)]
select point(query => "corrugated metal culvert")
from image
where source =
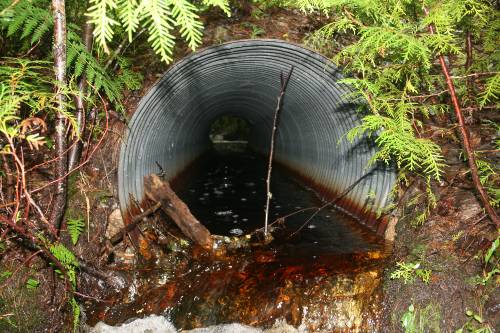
[(242, 78)]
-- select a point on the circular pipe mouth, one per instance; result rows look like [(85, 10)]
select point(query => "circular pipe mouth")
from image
[(242, 78)]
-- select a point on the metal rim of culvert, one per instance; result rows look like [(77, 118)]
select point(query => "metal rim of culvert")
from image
[(242, 78)]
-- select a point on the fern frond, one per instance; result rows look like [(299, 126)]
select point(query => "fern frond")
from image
[(99, 14), (75, 229), (65, 256), (127, 12), (160, 24), (18, 19), (222, 4), (127, 77), (186, 18), (75, 308), (29, 19)]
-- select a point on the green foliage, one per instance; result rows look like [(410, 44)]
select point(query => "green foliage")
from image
[(391, 54), (255, 30), (474, 324), (103, 22), (75, 229), (34, 19), (25, 84), (409, 271), (490, 179), (67, 259), (70, 263), (491, 264), (75, 308), (421, 320), (5, 275), (29, 18), (159, 17), (32, 283), (82, 62)]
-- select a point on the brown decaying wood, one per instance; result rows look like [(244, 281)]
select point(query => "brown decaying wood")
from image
[(160, 191), (465, 138), (59, 204), (76, 147), (284, 84), (135, 221)]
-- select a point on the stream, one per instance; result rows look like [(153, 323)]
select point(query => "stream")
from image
[(320, 275)]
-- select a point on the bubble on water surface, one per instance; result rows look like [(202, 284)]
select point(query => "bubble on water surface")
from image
[(236, 232)]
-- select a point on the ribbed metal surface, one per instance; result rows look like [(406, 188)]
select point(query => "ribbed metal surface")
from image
[(241, 78)]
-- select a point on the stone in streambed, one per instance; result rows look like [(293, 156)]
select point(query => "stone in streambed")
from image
[(115, 223)]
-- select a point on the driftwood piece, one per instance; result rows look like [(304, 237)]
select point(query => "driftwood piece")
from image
[(160, 191)]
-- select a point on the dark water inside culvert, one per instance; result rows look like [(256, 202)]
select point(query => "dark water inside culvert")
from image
[(325, 278)]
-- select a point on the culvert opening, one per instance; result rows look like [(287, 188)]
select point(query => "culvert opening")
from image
[(173, 123), (229, 129), (328, 277)]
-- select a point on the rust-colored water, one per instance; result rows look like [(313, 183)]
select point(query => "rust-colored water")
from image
[(326, 277)]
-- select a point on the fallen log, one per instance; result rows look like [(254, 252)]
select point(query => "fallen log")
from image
[(160, 191)]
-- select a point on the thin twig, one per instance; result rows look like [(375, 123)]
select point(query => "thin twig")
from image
[(474, 75), (284, 84), (135, 221), (331, 202), (92, 297), (465, 137)]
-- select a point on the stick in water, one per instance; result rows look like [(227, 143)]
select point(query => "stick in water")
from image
[(284, 84)]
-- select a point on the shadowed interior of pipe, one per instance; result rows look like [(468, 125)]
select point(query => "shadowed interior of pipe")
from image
[(172, 125)]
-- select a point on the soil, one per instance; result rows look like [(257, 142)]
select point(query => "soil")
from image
[(451, 243)]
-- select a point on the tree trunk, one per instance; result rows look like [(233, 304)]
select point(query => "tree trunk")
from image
[(76, 150), (59, 203)]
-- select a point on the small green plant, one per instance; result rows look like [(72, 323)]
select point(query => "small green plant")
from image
[(491, 268), (32, 283), (5, 275), (421, 321), (474, 324), (409, 271), (75, 229), (255, 30), (70, 263), (490, 178)]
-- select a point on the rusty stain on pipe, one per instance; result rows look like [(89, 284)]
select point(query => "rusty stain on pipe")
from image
[(242, 78)]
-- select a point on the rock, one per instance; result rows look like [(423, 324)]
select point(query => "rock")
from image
[(390, 231), (226, 328), (151, 324), (159, 324), (221, 34), (115, 223)]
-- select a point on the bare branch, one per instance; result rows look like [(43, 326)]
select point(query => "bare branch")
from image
[(284, 84)]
